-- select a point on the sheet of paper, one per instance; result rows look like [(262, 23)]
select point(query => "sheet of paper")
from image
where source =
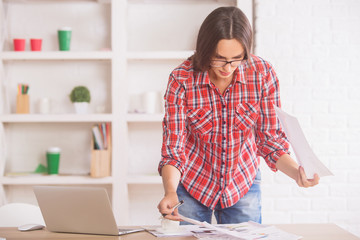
[(212, 227), (303, 152), (182, 231), (243, 231), (270, 233)]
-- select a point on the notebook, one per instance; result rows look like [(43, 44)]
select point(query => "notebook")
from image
[(78, 210)]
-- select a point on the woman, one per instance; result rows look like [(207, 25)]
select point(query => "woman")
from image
[(219, 120)]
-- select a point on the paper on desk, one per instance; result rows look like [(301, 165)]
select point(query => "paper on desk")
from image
[(209, 226), (303, 152), (243, 231), (182, 231)]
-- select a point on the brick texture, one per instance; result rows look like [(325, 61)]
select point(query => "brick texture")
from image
[(314, 47)]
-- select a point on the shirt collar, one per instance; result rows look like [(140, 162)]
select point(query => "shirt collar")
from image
[(202, 78), (240, 74)]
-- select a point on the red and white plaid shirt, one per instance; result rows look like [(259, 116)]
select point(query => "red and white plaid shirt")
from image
[(216, 140)]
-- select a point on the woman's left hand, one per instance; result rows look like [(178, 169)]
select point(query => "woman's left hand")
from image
[(303, 181)]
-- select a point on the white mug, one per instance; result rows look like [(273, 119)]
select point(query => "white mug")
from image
[(44, 106), (169, 225), (150, 101)]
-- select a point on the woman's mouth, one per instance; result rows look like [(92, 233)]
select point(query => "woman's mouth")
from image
[(225, 74)]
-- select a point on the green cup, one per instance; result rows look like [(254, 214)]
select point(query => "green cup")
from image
[(64, 36), (53, 159)]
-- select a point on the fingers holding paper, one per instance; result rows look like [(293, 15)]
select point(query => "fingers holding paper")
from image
[(303, 181), (288, 166)]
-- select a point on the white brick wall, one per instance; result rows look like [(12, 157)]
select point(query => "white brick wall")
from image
[(314, 46)]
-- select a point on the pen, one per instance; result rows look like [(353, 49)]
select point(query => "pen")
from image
[(175, 207)]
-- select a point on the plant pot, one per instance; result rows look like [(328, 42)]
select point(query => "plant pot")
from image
[(81, 107)]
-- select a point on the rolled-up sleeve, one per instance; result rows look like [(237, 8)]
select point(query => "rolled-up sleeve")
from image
[(174, 129), (270, 138)]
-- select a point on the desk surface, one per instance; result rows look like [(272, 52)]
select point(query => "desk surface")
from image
[(308, 231)]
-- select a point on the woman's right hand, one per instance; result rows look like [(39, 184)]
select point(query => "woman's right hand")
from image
[(166, 206)]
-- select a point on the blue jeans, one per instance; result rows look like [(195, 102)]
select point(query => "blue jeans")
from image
[(246, 209)]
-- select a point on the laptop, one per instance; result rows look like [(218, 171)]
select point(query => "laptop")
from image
[(78, 210)]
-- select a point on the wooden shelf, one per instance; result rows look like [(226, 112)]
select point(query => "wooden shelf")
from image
[(34, 118), (53, 180), (57, 55)]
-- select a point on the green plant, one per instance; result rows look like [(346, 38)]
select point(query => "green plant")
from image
[(80, 94)]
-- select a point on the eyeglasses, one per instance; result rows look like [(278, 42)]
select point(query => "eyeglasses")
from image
[(222, 63)]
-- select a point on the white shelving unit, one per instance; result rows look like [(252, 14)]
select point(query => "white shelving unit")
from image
[(131, 118), (55, 180), (33, 118), (96, 55), (167, 55), (141, 180), (120, 49)]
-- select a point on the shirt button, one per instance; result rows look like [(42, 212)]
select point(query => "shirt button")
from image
[(224, 122), (223, 150)]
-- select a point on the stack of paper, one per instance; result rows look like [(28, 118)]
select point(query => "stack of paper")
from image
[(243, 231)]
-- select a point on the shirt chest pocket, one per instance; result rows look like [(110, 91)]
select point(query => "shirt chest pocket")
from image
[(200, 122), (246, 115)]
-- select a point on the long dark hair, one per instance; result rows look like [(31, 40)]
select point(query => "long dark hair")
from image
[(222, 23)]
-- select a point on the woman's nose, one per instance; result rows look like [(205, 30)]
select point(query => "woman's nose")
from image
[(228, 67)]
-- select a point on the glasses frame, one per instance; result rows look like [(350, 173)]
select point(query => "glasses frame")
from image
[(227, 62)]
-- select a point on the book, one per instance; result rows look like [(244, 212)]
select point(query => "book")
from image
[(101, 136), (98, 141)]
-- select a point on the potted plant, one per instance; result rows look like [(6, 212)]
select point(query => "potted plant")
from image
[(80, 97)]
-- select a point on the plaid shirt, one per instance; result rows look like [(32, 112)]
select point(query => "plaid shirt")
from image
[(216, 140)]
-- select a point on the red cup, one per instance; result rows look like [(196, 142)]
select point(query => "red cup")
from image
[(19, 44), (35, 44)]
